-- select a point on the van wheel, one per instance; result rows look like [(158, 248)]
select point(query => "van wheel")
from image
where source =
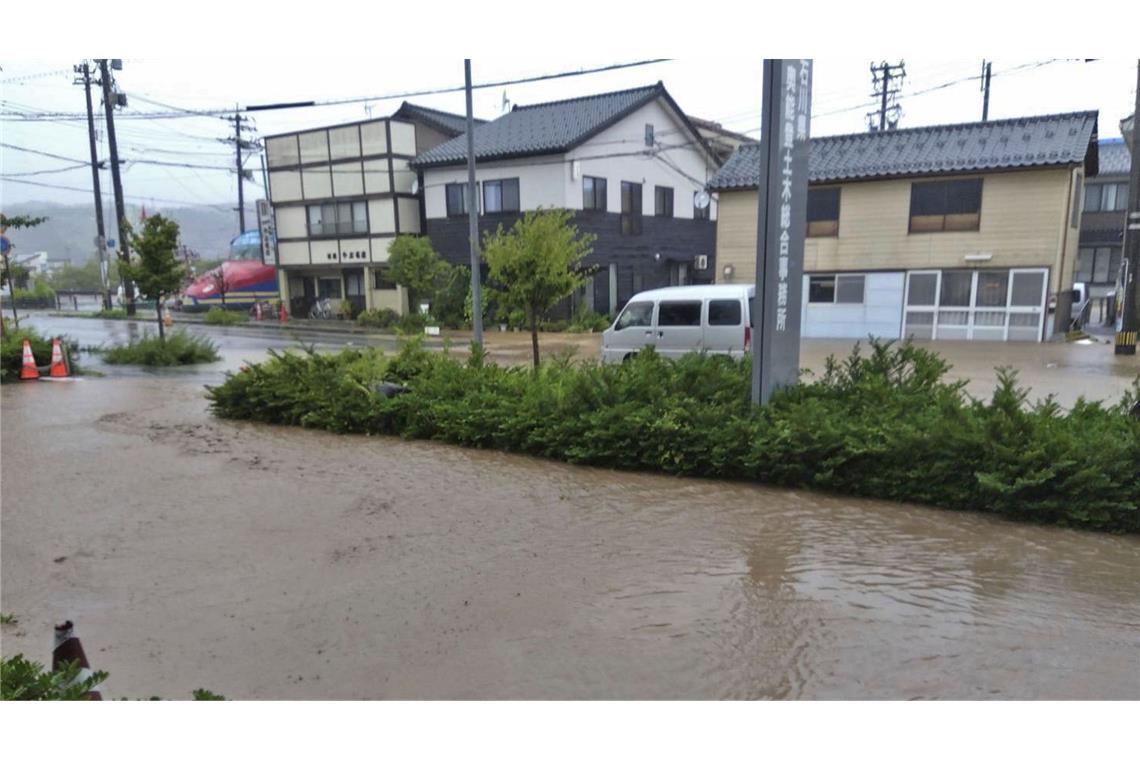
[(627, 359)]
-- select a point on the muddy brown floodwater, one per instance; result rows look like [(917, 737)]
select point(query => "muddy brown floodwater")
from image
[(277, 563)]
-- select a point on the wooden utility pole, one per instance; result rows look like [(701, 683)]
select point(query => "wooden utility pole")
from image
[(84, 69), (881, 77), (110, 100), (986, 90), (473, 216)]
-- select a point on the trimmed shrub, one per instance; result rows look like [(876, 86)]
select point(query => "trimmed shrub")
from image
[(179, 348), (382, 319), (219, 316), (885, 425)]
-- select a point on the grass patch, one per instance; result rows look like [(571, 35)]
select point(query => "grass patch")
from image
[(179, 348), (219, 316), (12, 352), (887, 424), (24, 679), (8, 619)]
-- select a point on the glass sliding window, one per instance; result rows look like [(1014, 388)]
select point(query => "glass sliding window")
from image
[(1085, 260), (1026, 288), (1101, 267), (1092, 197), (956, 288), (662, 201), (923, 289), (993, 288), (945, 206), (630, 208), (594, 193), (380, 279), (823, 212), (821, 289), (849, 288), (456, 198), (328, 287), (359, 217), (500, 196)]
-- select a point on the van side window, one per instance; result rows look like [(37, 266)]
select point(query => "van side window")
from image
[(637, 314), (724, 313), (679, 314)]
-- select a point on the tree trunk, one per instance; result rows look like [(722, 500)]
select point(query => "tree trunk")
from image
[(158, 311), (534, 336)]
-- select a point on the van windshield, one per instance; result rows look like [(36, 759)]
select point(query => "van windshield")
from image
[(635, 314)]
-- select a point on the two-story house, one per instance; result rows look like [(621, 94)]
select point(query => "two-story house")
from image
[(340, 195), (630, 165), (959, 232), (1103, 214)]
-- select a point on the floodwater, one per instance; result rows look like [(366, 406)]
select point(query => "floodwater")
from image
[(277, 563)]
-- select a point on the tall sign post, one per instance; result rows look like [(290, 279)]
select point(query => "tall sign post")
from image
[(785, 131)]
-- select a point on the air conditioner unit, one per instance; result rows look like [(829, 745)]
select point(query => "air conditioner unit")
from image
[(701, 262)]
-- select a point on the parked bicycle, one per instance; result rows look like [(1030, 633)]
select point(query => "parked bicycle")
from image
[(322, 309)]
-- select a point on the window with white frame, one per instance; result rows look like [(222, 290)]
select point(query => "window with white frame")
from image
[(836, 288)]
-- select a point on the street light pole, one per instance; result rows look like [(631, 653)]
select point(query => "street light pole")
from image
[(473, 216)]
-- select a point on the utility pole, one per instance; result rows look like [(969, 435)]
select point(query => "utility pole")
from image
[(240, 124), (473, 215), (84, 69), (1126, 338), (882, 76), (110, 100), (986, 89)]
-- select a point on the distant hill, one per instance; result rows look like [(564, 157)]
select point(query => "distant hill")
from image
[(69, 232)]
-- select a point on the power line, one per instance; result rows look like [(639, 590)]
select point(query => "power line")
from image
[(45, 171), (187, 112), (132, 197), (43, 153)]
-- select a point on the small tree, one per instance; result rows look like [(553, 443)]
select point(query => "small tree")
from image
[(415, 265), (537, 263), (218, 277), (159, 271), (16, 223)]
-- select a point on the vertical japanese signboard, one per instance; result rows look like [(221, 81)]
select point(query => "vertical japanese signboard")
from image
[(268, 231), (785, 127)]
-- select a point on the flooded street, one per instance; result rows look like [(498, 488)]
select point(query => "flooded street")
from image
[(273, 563)]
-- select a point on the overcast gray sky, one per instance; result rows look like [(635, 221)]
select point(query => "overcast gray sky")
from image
[(722, 89)]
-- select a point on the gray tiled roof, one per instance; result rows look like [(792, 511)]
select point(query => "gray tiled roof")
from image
[(1114, 157), (449, 123), (542, 128), (1058, 139)]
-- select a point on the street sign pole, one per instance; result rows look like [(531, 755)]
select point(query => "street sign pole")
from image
[(785, 131), (1130, 316)]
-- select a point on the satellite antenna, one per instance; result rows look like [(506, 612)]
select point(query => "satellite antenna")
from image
[(701, 199)]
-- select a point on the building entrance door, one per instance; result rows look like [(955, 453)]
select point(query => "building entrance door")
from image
[(973, 304)]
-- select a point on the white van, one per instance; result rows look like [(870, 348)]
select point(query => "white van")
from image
[(676, 321)]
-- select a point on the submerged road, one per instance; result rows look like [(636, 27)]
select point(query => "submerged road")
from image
[(278, 563)]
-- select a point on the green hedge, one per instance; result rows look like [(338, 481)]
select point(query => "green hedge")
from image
[(179, 348), (12, 351), (219, 316), (886, 424)]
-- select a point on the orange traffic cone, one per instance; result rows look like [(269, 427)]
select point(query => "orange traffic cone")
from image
[(29, 370), (68, 649), (58, 368)]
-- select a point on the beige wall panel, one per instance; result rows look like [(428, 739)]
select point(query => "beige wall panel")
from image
[(380, 249), (344, 142), (404, 138), (348, 179), (281, 151), (291, 222), (376, 176), (374, 138), (292, 253), (314, 146), (317, 183), (285, 185), (381, 215), (409, 215), (325, 252)]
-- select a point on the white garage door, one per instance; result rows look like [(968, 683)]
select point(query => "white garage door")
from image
[(853, 305)]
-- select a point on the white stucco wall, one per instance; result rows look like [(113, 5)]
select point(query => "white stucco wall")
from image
[(548, 181)]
